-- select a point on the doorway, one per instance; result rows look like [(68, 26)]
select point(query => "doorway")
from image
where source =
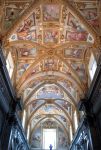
[(49, 137)]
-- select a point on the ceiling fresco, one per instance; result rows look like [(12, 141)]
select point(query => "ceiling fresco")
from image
[(34, 28), (50, 109), (51, 42), (50, 91), (90, 12), (51, 13), (13, 11)]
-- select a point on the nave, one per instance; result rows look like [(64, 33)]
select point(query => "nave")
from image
[(50, 74)]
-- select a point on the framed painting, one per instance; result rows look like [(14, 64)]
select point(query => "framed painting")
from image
[(91, 15), (74, 25), (73, 53), (51, 12), (51, 36), (76, 36), (26, 30)]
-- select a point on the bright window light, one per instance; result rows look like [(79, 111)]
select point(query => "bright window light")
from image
[(75, 120), (92, 66), (49, 137), (10, 64)]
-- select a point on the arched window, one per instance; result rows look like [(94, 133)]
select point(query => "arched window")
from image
[(10, 64), (92, 66)]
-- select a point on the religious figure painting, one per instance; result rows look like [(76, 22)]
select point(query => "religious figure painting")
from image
[(75, 32), (51, 13), (91, 15), (50, 65), (51, 36), (73, 24), (26, 30), (80, 70), (76, 36), (24, 52), (27, 35), (77, 53)]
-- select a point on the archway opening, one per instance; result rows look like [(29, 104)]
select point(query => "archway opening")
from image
[(49, 137)]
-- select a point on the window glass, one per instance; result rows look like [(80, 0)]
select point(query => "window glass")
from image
[(10, 64), (92, 66)]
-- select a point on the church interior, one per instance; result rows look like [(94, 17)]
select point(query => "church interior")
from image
[(50, 74)]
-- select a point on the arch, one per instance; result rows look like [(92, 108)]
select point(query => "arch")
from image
[(52, 102), (30, 136), (25, 74), (65, 112), (72, 71), (66, 131), (50, 115), (56, 74), (63, 109), (70, 96), (31, 102), (67, 93)]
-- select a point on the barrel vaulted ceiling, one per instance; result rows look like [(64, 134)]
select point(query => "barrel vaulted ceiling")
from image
[(51, 42)]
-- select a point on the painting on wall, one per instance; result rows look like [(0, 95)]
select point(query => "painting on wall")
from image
[(74, 24), (74, 30), (26, 30), (36, 138), (75, 36), (70, 87), (80, 70), (91, 15), (25, 52), (49, 109), (50, 64), (65, 105), (35, 104), (50, 91), (21, 69), (51, 12), (12, 12), (26, 35), (9, 18), (51, 36), (62, 141), (70, 52)]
